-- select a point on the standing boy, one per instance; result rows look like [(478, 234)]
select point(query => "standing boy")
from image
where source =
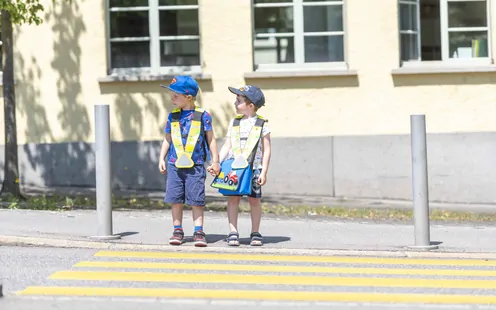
[(248, 100), (188, 136)]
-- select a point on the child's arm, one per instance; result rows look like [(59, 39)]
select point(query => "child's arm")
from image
[(224, 151), (163, 151), (214, 168), (265, 159)]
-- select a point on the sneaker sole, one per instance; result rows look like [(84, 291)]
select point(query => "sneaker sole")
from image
[(200, 244), (176, 242)]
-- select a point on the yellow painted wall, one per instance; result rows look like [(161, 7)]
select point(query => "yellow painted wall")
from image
[(59, 62)]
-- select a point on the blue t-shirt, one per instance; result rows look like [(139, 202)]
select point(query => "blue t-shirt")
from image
[(201, 148)]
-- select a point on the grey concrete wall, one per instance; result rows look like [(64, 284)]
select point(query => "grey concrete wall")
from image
[(462, 167)]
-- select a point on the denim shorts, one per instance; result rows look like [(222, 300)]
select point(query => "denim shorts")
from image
[(185, 185)]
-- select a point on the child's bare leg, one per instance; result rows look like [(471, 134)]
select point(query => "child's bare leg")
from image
[(232, 212), (198, 213), (256, 213), (232, 216), (177, 214), (256, 217)]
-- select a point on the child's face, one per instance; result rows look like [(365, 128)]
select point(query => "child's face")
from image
[(242, 105), (179, 100)]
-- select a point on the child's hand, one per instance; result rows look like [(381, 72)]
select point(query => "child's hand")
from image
[(162, 166), (262, 179), (214, 169)]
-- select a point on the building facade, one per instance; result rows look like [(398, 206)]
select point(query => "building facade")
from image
[(341, 79)]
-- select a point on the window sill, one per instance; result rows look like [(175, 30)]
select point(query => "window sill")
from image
[(149, 77), (299, 73), (444, 69)]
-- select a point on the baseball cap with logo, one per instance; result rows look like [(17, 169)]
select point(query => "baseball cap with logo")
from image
[(183, 84), (253, 93)]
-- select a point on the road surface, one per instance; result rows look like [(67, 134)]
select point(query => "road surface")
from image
[(53, 278)]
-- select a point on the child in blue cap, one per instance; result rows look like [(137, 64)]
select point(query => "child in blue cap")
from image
[(188, 138), (249, 99)]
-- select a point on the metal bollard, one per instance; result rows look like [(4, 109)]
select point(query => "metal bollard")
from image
[(420, 183), (103, 174)]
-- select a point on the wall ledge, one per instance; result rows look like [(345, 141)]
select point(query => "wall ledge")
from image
[(299, 73), (434, 69), (150, 77)]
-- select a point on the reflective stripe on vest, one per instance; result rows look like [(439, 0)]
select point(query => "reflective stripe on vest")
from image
[(184, 154), (241, 156)]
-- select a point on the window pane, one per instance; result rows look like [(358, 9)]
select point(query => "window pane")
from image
[(408, 17), (274, 50), (129, 24), (130, 54), (409, 47), (273, 20), (179, 22), (178, 2), (324, 49), (323, 18), (471, 44), (467, 14), (128, 3), (180, 53)]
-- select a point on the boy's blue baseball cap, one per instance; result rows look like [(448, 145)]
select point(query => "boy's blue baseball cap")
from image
[(183, 84), (253, 93)]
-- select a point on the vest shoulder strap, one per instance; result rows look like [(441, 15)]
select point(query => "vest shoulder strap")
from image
[(176, 115), (259, 122), (261, 117)]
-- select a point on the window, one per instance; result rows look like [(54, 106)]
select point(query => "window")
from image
[(298, 33), (444, 30), (154, 36)]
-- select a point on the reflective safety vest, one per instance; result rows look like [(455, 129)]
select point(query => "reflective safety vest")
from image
[(241, 156), (184, 153)]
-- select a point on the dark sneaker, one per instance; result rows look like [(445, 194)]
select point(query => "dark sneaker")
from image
[(256, 239), (199, 238), (177, 237)]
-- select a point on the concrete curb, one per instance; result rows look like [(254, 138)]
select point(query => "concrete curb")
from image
[(103, 245)]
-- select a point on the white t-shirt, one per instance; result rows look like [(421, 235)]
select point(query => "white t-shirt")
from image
[(245, 126)]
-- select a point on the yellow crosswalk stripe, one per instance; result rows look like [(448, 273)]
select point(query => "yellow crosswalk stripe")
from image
[(271, 279), (287, 269), (312, 259), (261, 295)]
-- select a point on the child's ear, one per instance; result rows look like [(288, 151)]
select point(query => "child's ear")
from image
[(189, 97)]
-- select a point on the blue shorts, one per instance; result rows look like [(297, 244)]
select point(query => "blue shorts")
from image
[(185, 185)]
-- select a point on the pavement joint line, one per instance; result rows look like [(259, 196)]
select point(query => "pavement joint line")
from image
[(8, 240)]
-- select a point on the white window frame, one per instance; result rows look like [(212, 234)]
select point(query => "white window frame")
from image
[(446, 60), (299, 35), (153, 9)]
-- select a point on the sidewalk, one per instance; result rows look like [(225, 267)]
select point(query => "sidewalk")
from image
[(143, 230)]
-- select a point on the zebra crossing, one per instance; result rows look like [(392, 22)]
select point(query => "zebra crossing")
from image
[(261, 277)]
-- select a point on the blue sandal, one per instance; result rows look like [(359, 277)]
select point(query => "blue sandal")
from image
[(233, 239)]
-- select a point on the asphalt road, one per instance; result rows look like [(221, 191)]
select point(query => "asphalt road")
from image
[(51, 278)]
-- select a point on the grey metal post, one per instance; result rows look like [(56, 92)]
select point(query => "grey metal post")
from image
[(103, 173), (420, 185)]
